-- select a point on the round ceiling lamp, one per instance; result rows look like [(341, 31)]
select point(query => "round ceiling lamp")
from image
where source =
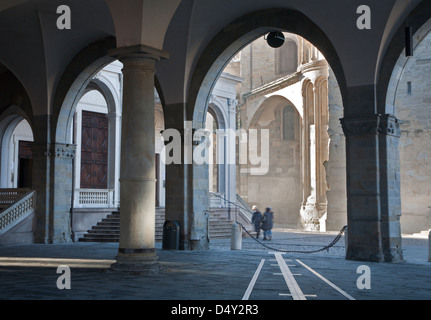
[(275, 39)]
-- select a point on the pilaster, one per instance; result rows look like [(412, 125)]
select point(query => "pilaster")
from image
[(52, 178), (373, 188)]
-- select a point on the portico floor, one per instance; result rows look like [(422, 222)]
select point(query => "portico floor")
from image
[(29, 272)]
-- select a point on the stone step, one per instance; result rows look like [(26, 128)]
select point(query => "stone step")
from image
[(422, 234), (108, 230)]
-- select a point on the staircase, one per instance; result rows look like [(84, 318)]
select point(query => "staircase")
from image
[(108, 230), (220, 227)]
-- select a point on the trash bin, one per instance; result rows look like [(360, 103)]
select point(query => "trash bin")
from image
[(171, 235)]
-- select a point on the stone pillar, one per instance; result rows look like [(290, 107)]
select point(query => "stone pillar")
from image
[(62, 155), (136, 253), (52, 178), (178, 179), (390, 193), (373, 195)]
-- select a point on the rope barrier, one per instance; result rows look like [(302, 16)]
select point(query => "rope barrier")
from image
[(331, 244)]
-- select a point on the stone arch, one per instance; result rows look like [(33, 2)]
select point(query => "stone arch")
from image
[(407, 100), (74, 83), (237, 35), (217, 111), (102, 85), (274, 102), (394, 59), (284, 173), (219, 140), (9, 120)]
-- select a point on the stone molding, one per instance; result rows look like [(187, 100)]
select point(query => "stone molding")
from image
[(62, 150), (376, 124), (56, 150), (139, 51)]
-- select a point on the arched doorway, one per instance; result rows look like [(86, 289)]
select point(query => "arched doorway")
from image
[(16, 153)]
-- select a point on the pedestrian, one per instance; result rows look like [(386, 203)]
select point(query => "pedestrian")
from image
[(267, 223), (256, 220)]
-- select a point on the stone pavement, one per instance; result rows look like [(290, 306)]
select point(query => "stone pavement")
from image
[(29, 272)]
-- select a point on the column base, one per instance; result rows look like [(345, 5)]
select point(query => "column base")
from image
[(136, 263), (392, 255), (361, 253)]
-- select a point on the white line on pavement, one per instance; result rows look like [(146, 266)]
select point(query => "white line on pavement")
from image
[(327, 281), (253, 281), (293, 286)]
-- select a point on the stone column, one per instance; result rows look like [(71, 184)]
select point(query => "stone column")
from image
[(372, 188), (136, 253)]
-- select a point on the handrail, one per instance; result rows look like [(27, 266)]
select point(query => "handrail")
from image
[(244, 208), (17, 212)]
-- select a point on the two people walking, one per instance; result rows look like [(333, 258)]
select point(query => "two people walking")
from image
[(264, 222)]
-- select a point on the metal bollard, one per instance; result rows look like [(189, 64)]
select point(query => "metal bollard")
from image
[(429, 246), (236, 237)]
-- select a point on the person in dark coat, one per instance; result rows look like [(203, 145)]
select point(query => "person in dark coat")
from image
[(256, 220), (267, 224)]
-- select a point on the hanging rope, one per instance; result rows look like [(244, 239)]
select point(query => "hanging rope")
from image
[(331, 244)]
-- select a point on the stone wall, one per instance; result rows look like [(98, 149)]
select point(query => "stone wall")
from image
[(412, 108)]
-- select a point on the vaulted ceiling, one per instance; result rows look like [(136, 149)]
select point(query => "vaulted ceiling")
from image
[(38, 53)]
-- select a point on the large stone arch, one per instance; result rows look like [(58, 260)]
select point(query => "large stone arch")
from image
[(237, 35), (395, 59), (408, 101)]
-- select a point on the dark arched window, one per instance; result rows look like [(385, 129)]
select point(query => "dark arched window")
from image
[(288, 57), (289, 123)]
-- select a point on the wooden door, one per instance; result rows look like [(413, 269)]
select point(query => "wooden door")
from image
[(94, 151)]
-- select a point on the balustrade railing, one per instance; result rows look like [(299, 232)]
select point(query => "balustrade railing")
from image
[(24, 205), (94, 198)]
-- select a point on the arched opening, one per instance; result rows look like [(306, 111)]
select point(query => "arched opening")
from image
[(294, 106), (405, 128), (408, 100), (93, 125), (16, 153), (281, 186)]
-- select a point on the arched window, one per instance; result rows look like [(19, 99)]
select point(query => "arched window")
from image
[(289, 123), (288, 58)]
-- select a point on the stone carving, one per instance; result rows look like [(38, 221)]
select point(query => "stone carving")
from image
[(371, 125)]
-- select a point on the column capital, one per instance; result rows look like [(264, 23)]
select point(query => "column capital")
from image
[(139, 51), (376, 124)]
